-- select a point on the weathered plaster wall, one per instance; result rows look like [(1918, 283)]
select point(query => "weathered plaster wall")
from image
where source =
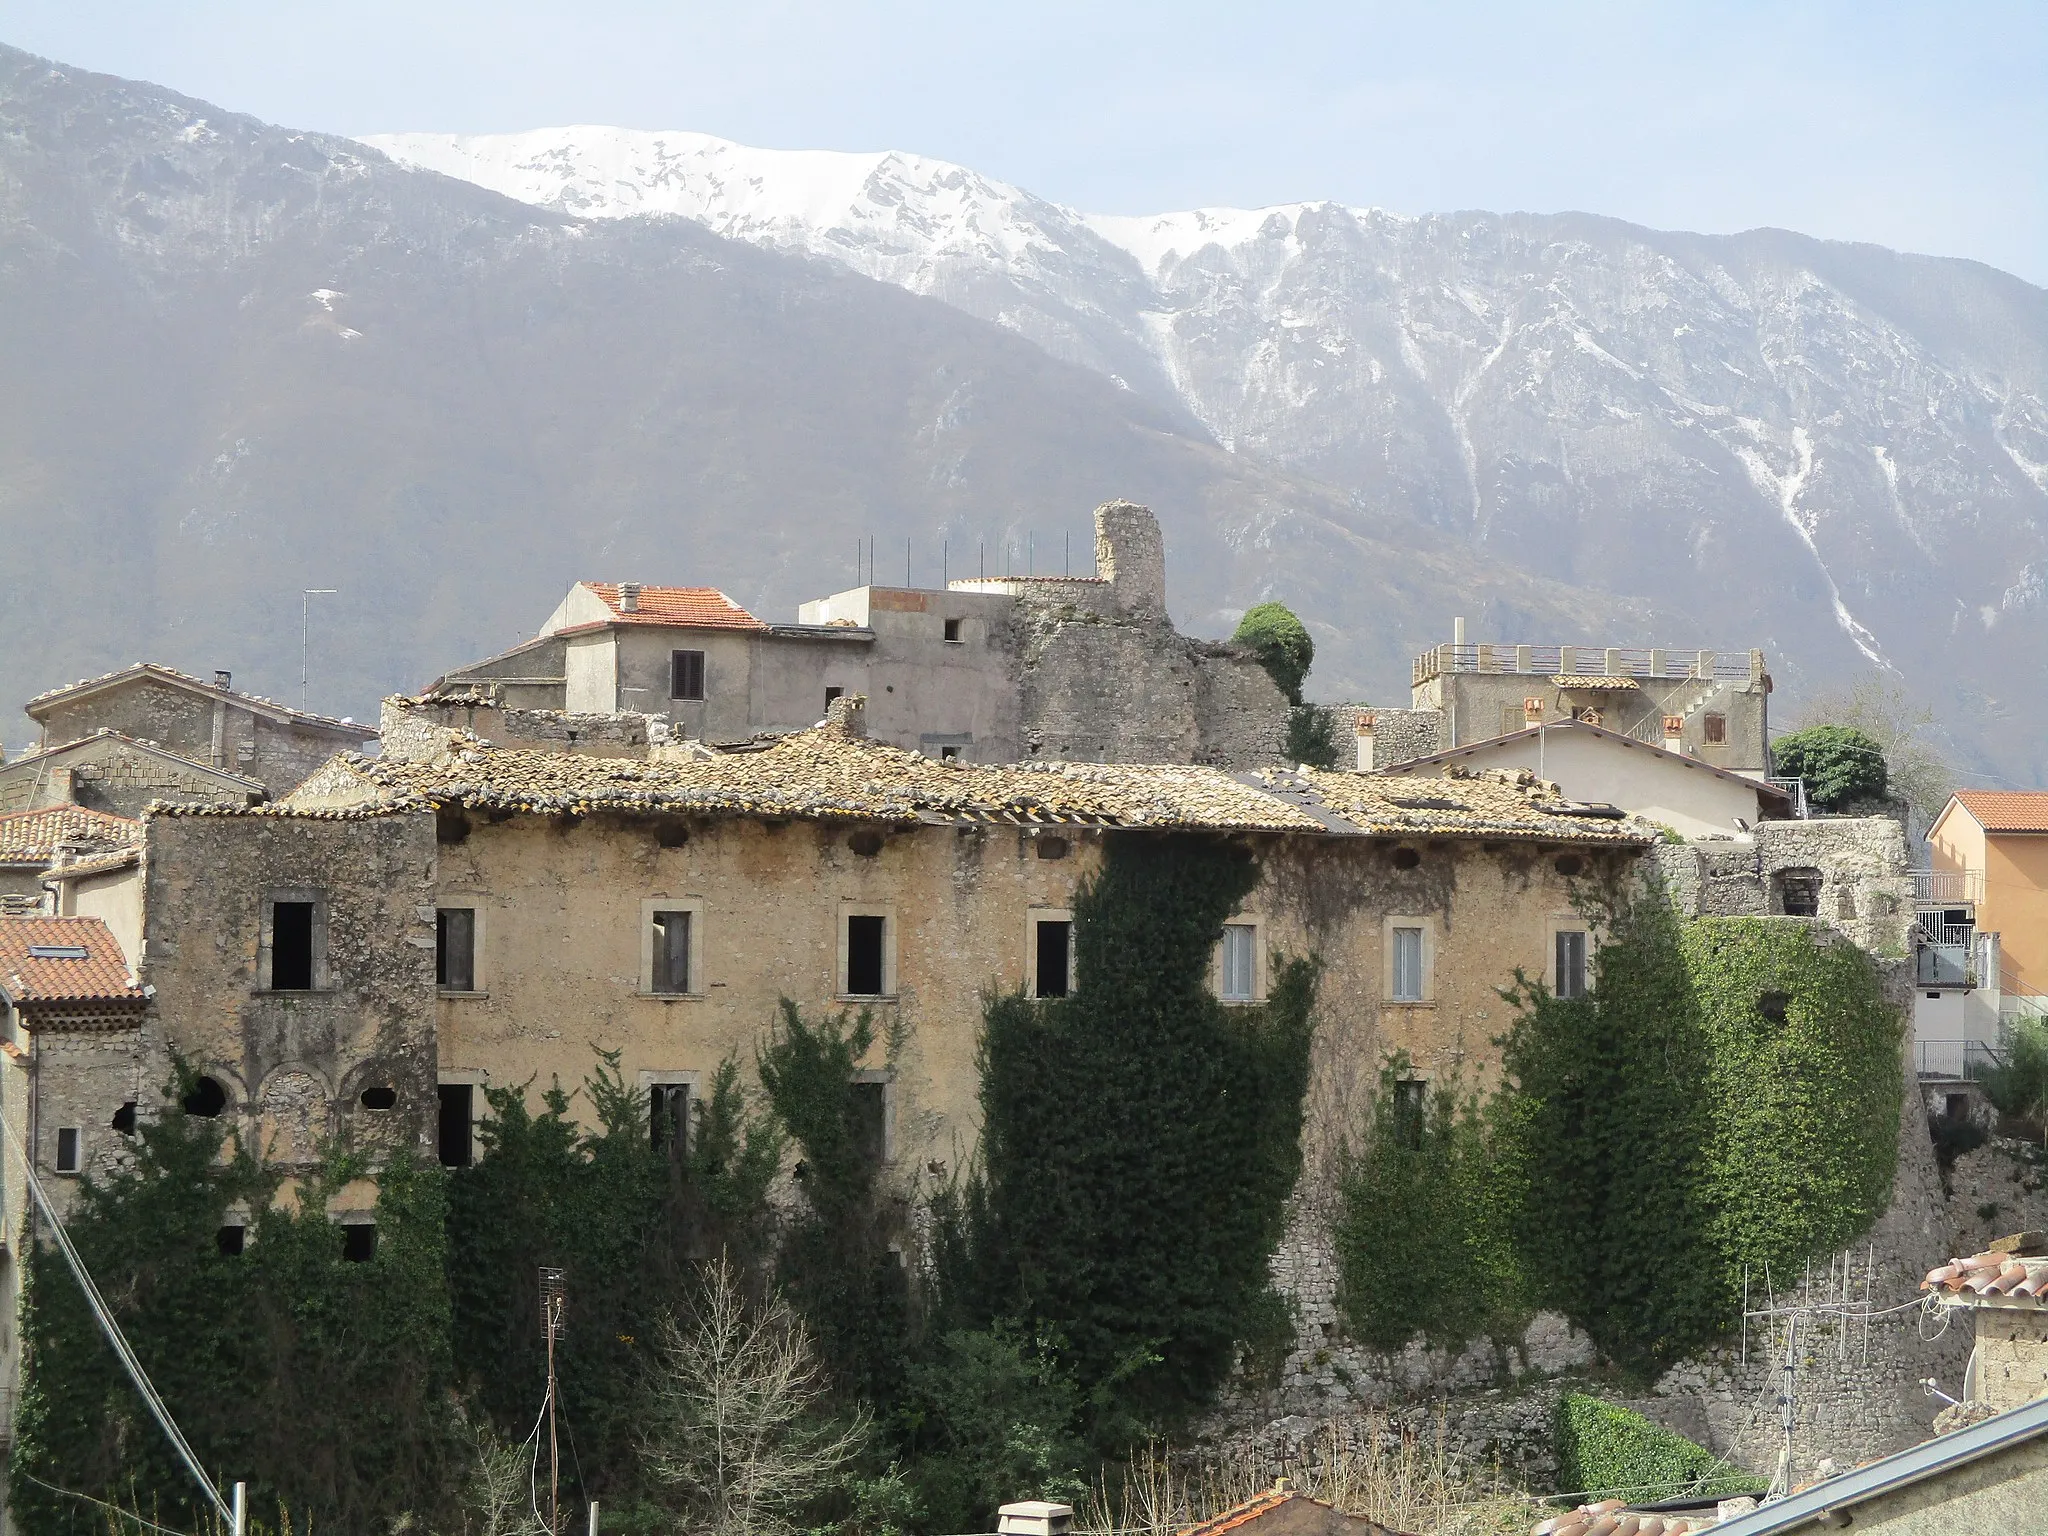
[(220, 732)]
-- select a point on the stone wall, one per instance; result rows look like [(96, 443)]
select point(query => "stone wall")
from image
[(1399, 735), (106, 772), (1865, 887)]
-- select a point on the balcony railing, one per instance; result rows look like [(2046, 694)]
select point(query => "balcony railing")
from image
[(1587, 660), (1966, 1059), (1947, 887)]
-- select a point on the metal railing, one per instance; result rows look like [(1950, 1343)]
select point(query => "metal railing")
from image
[(1586, 660), (1796, 788), (1948, 887), (1965, 1059)]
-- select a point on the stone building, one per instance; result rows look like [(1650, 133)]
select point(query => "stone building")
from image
[(983, 670), (110, 772), (31, 841), (1999, 1292)]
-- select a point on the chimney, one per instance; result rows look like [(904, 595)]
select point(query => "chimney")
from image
[(1457, 631), (221, 679), (1035, 1517), (1674, 727), (629, 597), (1532, 712), (849, 714), (1362, 727)]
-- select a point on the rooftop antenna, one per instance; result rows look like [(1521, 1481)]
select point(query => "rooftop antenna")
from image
[(906, 562), (1070, 551), (1030, 554), (552, 1297), (945, 562), (306, 596)]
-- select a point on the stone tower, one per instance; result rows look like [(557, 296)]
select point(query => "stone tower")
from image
[(1131, 556)]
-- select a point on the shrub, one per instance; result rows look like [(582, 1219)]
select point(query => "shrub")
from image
[(1311, 736), (1282, 645), (1607, 1451), (1840, 764), (2019, 1086)]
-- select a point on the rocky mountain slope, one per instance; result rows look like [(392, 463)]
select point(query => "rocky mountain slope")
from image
[(1834, 451), (243, 361)]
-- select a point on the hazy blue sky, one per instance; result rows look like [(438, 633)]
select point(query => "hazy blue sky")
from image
[(1919, 126)]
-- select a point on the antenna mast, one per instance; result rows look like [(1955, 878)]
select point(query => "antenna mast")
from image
[(551, 1301)]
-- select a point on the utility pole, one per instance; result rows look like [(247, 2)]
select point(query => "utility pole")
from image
[(551, 1299), (306, 596)]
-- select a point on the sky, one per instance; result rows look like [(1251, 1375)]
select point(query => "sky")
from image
[(1919, 126)]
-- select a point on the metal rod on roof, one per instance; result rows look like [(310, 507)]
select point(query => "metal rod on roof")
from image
[(945, 562), (906, 562), (984, 559), (1030, 554), (306, 596), (1070, 551)]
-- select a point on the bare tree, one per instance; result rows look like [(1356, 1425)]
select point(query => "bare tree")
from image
[(739, 1428), (1918, 771)]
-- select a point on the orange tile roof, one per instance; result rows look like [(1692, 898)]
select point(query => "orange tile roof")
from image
[(2014, 1269), (100, 975), (1608, 1515), (2007, 810), (1273, 1499), (33, 837), (690, 607)]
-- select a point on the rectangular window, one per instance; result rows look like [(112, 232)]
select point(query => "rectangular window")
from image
[(671, 953), (1411, 1097), (1407, 965), (70, 1153), (864, 954), (231, 1240), (1714, 730), (455, 949), (1571, 963), (871, 1121), (668, 1116), (953, 630), (458, 1110), (1240, 961), (358, 1242), (949, 754), (1054, 959), (291, 946), (1512, 718), (830, 695), (686, 674)]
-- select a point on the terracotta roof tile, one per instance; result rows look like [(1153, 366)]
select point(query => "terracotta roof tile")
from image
[(1488, 803), (1611, 1515), (1253, 1509), (34, 837), (30, 976), (1611, 684), (2007, 810), (2014, 1269), (690, 607)]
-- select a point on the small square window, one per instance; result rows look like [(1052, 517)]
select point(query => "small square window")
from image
[(358, 1242), (865, 940), (949, 754), (1512, 719), (70, 1149), (231, 1240), (1714, 730), (291, 946), (830, 695), (458, 1110), (671, 953), (686, 674), (455, 949), (1054, 938), (668, 1116), (1571, 963), (1240, 961), (1407, 965), (953, 630)]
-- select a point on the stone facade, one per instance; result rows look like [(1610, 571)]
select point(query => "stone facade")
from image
[(110, 772)]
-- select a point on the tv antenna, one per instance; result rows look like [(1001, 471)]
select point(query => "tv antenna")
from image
[(306, 596), (553, 1297)]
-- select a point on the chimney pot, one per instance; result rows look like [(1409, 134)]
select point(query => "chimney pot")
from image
[(629, 597), (849, 714), (1532, 712), (1034, 1517), (1457, 631), (1674, 729), (1363, 728), (222, 679)]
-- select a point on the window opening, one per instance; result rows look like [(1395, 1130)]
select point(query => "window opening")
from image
[(455, 949), (358, 1242), (1051, 847), (671, 952), (70, 1153), (1714, 730), (686, 674), (1799, 893), (1410, 1095), (1570, 865), (1240, 956), (1571, 964), (206, 1099), (953, 630), (864, 937), (1511, 719), (830, 695), (1406, 858), (949, 754), (870, 1121), (291, 946), (380, 1096), (865, 843), (1772, 1005), (668, 1116), (124, 1119), (1055, 948), (231, 1240), (1407, 965), (453, 1131)]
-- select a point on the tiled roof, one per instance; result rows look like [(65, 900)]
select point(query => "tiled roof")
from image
[(1613, 684), (1609, 1515), (1488, 803), (34, 837), (2007, 810), (100, 975), (38, 706), (96, 864), (692, 607), (2013, 1270), (1624, 743), (1273, 1499)]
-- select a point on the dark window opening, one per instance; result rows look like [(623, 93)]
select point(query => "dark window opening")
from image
[(457, 1110), (380, 1096), (1571, 964), (1406, 858), (231, 1241), (124, 1119), (866, 844), (1934, 997), (1052, 847), (69, 1153), (206, 1099), (830, 695), (1955, 1106), (1799, 893), (1410, 1096), (1772, 1005), (870, 1121), (668, 1116), (864, 968), (686, 674), (1714, 730), (358, 1242), (291, 946), (1570, 865), (953, 629), (671, 952), (949, 754), (450, 825), (672, 834), (455, 949), (1055, 945)]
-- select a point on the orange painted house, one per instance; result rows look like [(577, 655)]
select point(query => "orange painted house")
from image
[(1994, 842)]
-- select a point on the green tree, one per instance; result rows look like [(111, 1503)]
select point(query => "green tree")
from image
[(1311, 736), (2019, 1085), (1841, 764), (1272, 633), (1915, 768)]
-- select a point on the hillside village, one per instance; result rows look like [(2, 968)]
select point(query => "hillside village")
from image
[(667, 842)]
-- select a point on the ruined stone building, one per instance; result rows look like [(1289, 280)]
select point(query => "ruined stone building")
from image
[(984, 670)]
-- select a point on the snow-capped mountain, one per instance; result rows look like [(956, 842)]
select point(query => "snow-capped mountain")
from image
[(1839, 450)]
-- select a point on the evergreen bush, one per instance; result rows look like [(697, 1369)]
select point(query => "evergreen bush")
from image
[(1841, 764), (1311, 736), (2019, 1085), (1607, 1451), (1281, 643)]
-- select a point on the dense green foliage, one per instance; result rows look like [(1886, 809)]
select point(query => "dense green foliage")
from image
[(322, 1383), (1139, 1142), (1311, 736), (1423, 1196), (1281, 643), (1607, 1451), (1841, 764), (2019, 1085), (1728, 1094)]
